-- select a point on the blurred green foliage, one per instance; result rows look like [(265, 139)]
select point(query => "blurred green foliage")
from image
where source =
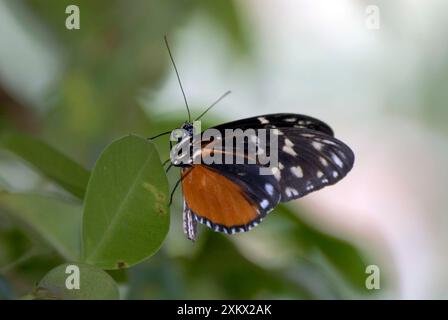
[(56, 166), (118, 52)]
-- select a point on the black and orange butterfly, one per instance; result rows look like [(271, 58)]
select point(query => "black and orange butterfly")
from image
[(234, 198)]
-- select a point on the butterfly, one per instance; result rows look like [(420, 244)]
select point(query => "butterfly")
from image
[(234, 196)]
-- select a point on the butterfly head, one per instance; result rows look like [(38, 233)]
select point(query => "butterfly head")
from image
[(181, 152), (188, 128)]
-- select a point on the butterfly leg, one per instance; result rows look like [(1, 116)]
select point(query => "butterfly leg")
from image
[(189, 223), (168, 168), (177, 184), (174, 190)]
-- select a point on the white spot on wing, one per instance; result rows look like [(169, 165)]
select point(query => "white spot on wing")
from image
[(289, 150), (297, 171), (335, 174), (277, 132), (307, 135), (263, 120), (291, 192), (323, 161), (317, 145), (288, 142), (281, 166), (329, 142), (337, 160), (276, 173), (320, 174), (264, 203), (269, 188), (290, 119)]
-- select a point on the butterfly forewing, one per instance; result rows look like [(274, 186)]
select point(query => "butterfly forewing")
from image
[(308, 161)]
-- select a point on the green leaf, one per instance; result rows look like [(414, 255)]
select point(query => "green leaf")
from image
[(126, 214), (55, 221), (94, 284), (50, 162)]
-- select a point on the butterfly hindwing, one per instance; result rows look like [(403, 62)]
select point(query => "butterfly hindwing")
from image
[(217, 201), (262, 189), (189, 222)]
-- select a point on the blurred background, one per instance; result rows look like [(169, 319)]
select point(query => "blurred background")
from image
[(382, 87)]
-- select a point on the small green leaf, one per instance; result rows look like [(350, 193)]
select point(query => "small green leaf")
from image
[(50, 162), (126, 214), (55, 221), (94, 284)]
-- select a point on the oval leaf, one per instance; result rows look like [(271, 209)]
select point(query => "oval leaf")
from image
[(126, 214), (76, 281), (55, 221), (50, 162)]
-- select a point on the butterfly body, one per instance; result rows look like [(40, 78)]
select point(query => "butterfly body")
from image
[(235, 197)]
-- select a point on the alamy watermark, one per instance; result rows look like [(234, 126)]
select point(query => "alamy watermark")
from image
[(73, 20), (373, 279), (373, 18), (72, 282), (229, 146)]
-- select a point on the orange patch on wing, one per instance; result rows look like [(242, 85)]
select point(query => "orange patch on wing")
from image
[(216, 198)]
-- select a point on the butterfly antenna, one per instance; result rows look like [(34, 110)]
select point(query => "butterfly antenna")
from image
[(178, 77), (213, 104), (159, 135)]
